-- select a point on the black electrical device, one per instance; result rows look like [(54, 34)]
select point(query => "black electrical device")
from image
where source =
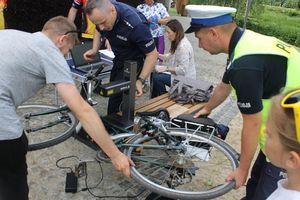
[(71, 183)]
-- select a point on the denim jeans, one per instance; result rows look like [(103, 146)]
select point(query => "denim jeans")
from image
[(160, 80), (263, 180)]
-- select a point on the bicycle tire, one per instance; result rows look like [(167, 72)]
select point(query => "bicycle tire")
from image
[(50, 136), (157, 174)]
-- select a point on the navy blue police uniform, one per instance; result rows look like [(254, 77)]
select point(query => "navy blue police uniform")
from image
[(130, 39)]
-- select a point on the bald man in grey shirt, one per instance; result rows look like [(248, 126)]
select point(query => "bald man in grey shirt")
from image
[(28, 62)]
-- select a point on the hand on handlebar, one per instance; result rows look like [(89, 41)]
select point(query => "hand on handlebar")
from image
[(122, 163), (203, 112), (89, 54)]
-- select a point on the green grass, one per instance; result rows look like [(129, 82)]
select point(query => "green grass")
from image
[(281, 18), (276, 21)]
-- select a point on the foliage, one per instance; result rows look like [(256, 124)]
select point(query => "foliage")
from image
[(284, 3), (257, 6), (277, 22), (286, 11), (269, 20)]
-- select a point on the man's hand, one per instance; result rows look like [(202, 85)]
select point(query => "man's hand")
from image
[(202, 112), (239, 176), (139, 88), (122, 163), (89, 54)]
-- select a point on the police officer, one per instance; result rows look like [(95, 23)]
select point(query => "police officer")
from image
[(127, 31), (258, 67)]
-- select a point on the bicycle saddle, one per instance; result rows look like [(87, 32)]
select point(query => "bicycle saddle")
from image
[(161, 113)]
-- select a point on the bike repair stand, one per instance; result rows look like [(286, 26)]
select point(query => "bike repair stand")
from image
[(127, 86)]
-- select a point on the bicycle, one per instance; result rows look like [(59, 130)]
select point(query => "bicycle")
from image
[(174, 162), (169, 160), (48, 125)]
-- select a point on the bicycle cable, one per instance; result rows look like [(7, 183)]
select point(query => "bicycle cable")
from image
[(63, 158), (87, 188)]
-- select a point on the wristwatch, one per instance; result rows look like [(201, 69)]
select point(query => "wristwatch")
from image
[(142, 80)]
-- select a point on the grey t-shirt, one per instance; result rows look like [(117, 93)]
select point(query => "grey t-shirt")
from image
[(27, 63)]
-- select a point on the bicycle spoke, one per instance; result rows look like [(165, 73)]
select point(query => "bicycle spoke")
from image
[(44, 127), (198, 166)]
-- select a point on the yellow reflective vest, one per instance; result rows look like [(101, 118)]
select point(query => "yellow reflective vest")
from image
[(255, 43)]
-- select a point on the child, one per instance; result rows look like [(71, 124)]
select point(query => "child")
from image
[(282, 145)]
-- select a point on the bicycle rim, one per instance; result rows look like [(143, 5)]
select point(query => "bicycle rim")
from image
[(49, 136), (198, 173)]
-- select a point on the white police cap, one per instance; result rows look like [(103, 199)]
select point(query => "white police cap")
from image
[(207, 16)]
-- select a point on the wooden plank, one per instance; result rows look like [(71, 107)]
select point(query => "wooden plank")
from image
[(150, 101), (176, 110), (163, 101), (164, 105), (153, 105), (196, 107), (188, 106)]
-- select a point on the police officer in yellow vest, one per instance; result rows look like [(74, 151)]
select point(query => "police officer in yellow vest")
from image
[(258, 67)]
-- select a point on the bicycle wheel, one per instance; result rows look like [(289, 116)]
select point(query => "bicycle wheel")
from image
[(48, 129), (196, 170), (117, 139)]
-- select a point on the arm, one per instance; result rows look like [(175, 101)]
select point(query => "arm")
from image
[(89, 54), (164, 15), (148, 67), (163, 21), (91, 122), (220, 93), (182, 59), (107, 45), (249, 141), (72, 14)]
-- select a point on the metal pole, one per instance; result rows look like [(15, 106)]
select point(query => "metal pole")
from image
[(247, 10)]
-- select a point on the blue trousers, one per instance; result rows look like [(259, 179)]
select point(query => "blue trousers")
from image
[(263, 180), (159, 82)]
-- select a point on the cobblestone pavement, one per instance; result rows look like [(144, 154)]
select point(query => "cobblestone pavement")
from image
[(47, 181)]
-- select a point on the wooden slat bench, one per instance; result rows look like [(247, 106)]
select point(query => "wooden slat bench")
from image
[(163, 101)]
